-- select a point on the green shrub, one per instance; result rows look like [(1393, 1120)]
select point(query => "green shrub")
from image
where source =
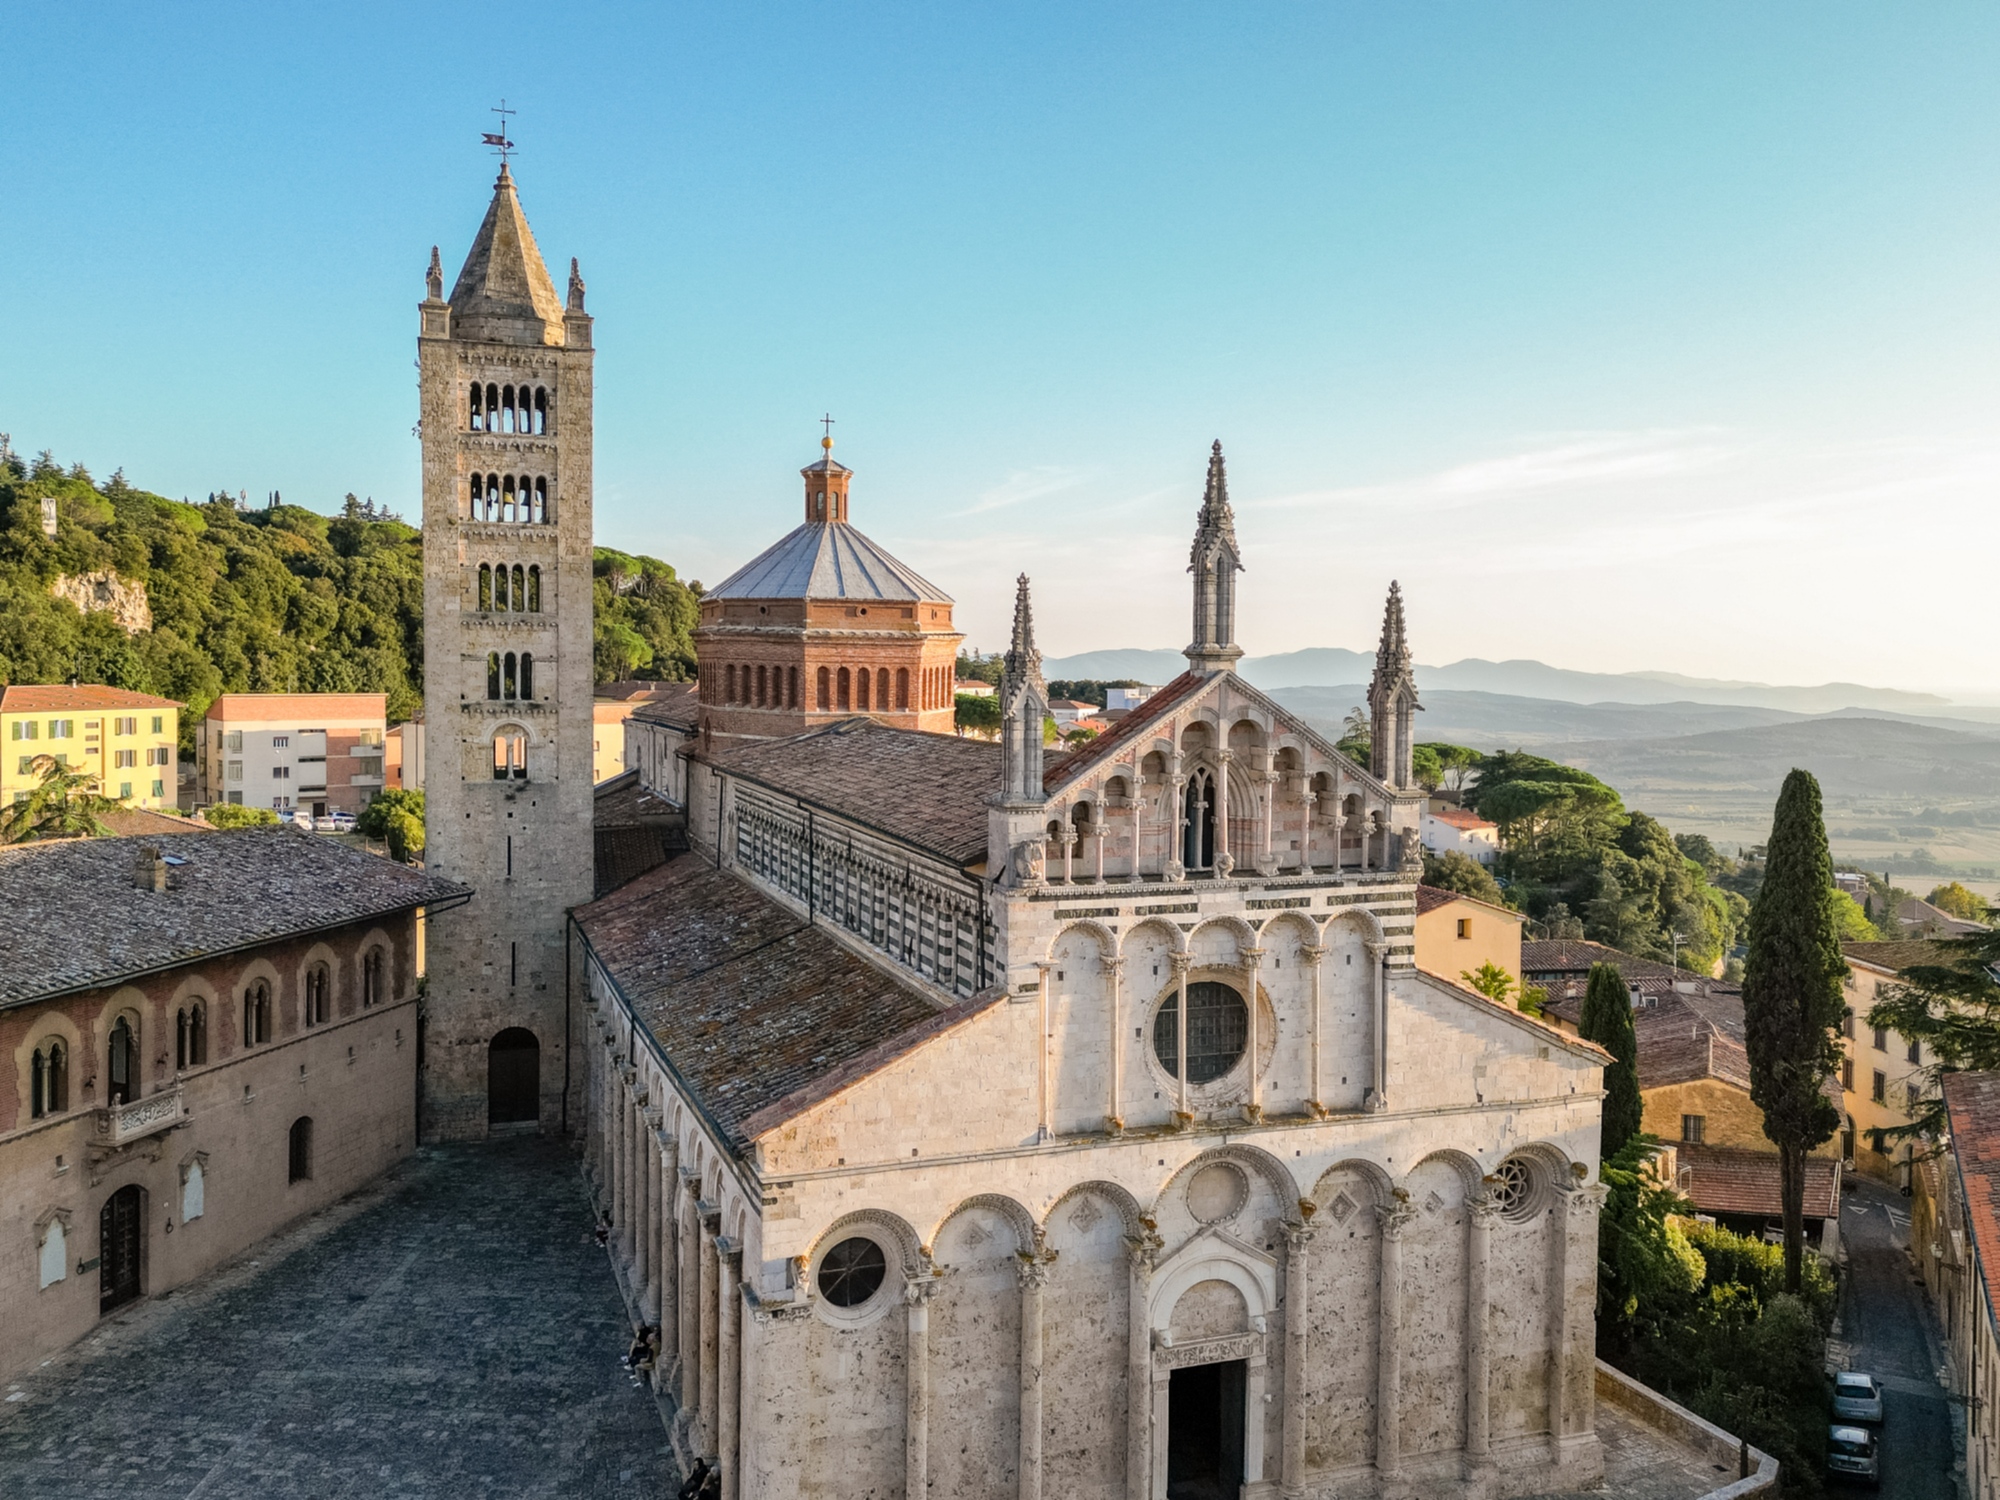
[(406, 836), (230, 815), (374, 819)]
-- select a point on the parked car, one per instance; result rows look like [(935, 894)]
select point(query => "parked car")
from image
[(1857, 1397), (339, 822), (302, 818), (1851, 1454)]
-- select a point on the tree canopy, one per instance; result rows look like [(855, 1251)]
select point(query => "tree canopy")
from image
[(1959, 902), (269, 600), (1606, 1019), (63, 804)]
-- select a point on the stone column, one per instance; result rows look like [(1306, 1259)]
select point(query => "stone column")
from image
[(1044, 1105), (1097, 832), (1298, 1319), (1395, 1217), (1253, 962), (917, 1386), (1180, 966), (642, 1209), (628, 1221), (1172, 867), (1034, 1278), (670, 1270), (690, 1289), (1138, 818), (1141, 1249), (1484, 1212), (655, 1197), (1575, 1207), (1069, 850), (711, 1350), (621, 1202), (1114, 970), (1267, 857), (1378, 963), (1316, 956), (1159, 1383), (1225, 862), (728, 1336)]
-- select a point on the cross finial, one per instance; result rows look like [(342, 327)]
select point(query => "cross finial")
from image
[(502, 147), (826, 441)]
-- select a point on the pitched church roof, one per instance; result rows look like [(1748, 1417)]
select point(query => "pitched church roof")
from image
[(503, 292), (926, 790), (757, 1011), (827, 560)]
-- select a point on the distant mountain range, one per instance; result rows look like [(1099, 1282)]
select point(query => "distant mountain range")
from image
[(1334, 666)]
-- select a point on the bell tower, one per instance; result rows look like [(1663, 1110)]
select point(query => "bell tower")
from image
[(505, 385)]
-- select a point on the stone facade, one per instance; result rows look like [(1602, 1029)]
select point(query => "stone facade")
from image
[(202, 1149), (505, 381), (1024, 1246)]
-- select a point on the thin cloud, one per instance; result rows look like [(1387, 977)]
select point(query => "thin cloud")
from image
[(1024, 486)]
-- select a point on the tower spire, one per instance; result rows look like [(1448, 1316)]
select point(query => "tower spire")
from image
[(1215, 561), (1024, 703), (1392, 699)]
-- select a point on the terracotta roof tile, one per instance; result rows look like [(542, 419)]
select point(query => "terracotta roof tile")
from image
[(1136, 723), (77, 921), (1458, 817), (679, 707), (928, 790), (1972, 1102), (634, 830), (1896, 955), (758, 1013), (1723, 1180), (54, 697)]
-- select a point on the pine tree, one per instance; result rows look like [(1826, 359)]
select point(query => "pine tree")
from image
[(1607, 1021), (1791, 998)]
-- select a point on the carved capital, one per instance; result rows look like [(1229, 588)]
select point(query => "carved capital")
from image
[(1374, 947), (1180, 962), (1224, 756), (1484, 1208), (1252, 957), (1396, 1215), (1144, 1249), (1313, 953), (917, 1290), (1034, 1269), (1298, 1235)]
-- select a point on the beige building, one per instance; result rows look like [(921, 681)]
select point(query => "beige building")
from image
[(505, 385), (1881, 1071), (1955, 1239), (319, 753), (125, 740), (888, 1097), (161, 1113), (1457, 935)]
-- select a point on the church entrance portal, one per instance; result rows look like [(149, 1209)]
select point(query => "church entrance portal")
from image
[(119, 1226), (514, 1078), (1205, 1431)]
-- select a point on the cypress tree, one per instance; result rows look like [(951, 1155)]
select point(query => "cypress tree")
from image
[(1607, 1021), (1791, 998)]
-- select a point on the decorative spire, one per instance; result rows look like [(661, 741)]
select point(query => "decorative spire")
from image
[(1392, 700), (1024, 703), (503, 294), (434, 278), (575, 286), (1215, 561)]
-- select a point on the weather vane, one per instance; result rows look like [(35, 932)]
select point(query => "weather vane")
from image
[(498, 139)]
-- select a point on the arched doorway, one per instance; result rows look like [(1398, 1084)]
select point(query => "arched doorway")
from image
[(120, 1239), (514, 1078)]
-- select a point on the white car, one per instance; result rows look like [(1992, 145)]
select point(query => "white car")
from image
[(1851, 1453), (1857, 1397), (335, 823)]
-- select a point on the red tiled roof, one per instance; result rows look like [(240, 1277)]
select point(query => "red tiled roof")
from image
[(1724, 1180), (676, 706), (1134, 724), (1895, 956), (1430, 898), (54, 697), (1972, 1102), (1458, 817)]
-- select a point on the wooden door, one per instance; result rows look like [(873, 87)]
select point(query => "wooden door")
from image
[(119, 1232)]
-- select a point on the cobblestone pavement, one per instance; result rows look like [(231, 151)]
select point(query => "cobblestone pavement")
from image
[(455, 1332), (1888, 1329)]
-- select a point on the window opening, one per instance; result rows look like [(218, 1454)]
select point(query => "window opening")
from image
[(492, 674), (318, 984), (299, 1156), (1218, 1029), (534, 589), (527, 674), (852, 1272), (485, 588), (124, 1048)]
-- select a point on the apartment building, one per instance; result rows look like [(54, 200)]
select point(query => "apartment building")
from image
[(125, 739), (1881, 1070), (317, 752)]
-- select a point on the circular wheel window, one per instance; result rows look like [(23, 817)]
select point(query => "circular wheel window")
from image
[(852, 1272), (1513, 1189), (1218, 1028)]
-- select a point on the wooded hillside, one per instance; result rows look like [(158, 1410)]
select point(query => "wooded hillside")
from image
[(278, 599)]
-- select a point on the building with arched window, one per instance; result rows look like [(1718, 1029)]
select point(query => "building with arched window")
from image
[(821, 625), (1090, 1115), (151, 1083), (505, 377)]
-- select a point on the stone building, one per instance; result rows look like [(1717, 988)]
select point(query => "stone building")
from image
[(505, 381), (983, 1124), (207, 1036), (821, 625)]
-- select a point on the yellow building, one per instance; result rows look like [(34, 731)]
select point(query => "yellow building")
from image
[(1881, 1071), (126, 740), (1458, 934)]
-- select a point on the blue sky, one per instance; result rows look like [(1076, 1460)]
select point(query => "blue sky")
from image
[(1626, 337)]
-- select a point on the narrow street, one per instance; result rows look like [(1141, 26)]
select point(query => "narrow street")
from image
[(1887, 1328)]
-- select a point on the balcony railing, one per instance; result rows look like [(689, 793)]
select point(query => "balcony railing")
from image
[(121, 1124)]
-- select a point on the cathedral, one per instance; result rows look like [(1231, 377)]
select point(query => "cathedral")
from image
[(979, 1119)]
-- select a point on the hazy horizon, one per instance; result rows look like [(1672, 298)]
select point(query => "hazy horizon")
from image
[(1627, 341)]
